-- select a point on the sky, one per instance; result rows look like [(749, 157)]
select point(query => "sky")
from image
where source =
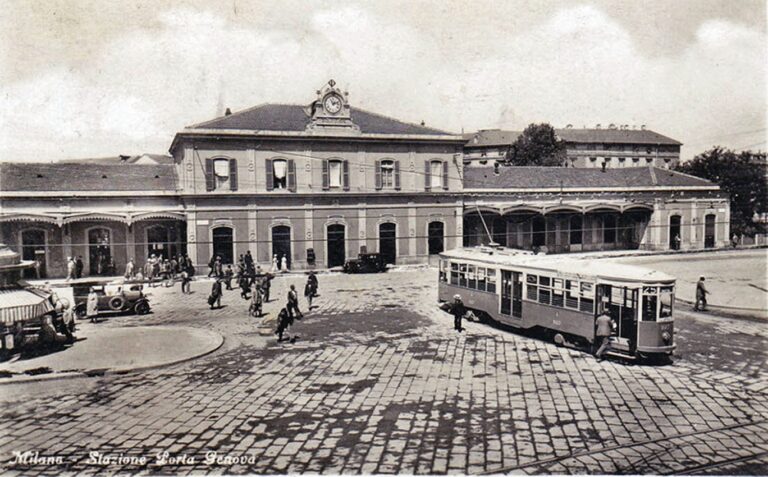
[(83, 78)]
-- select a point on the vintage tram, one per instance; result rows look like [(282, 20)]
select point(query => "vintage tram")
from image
[(563, 295)]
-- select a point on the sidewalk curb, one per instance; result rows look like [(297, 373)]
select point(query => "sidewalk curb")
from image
[(97, 372)]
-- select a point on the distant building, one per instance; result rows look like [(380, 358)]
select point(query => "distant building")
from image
[(614, 147)]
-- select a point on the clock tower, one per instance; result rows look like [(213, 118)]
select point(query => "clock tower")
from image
[(330, 112)]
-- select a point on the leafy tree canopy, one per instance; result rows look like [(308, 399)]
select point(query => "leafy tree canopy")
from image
[(742, 176), (538, 145)]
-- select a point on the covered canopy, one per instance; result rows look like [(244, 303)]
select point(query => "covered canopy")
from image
[(19, 304)]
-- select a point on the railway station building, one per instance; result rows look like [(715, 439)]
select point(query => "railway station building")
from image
[(321, 182)]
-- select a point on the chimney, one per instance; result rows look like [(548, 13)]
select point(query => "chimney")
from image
[(422, 122), (603, 166), (227, 112)]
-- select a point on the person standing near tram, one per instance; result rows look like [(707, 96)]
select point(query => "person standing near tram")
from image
[(701, 295), (603, 332)]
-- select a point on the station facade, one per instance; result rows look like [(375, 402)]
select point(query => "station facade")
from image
[(318, 184)]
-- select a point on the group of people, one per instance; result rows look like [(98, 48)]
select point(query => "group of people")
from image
[(159, 268), (74, 267)]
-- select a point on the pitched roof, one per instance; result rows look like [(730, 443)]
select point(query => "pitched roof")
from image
[(33, 177), (294, 117), (568, 177), (157, 158), (499, 137)]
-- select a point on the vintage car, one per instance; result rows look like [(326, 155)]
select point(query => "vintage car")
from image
[(365, 263), (113, 297)]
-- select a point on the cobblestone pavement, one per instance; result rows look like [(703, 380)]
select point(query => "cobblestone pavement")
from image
[(376, 381)]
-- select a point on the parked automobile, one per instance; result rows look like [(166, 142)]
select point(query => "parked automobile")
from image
[(112, 298), (365, 263)]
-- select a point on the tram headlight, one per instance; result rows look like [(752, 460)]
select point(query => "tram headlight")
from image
[(666, 337)]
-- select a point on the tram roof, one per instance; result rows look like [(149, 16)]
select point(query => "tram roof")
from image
[(567, 265)]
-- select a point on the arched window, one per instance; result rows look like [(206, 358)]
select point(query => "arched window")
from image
[(279, 173), (336, 245), (387, 174), (435, 234), (221, 173), (223, 244)]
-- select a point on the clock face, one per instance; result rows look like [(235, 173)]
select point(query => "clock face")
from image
[(332, 104)]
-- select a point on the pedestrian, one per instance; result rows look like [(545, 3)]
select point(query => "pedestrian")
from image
[(185, 282), (293, 303), (38, 266), (228, 275), (313, 279), (266, 284), (284, 320), (248, 260), (129, 269), (274, 263), (256, 302), (216, 292), (677, 241), (92, 305), (701, 295), (309, 291), (70, 269), (211, 265), (604, 329), (458, 310), (79, 267), (245, 287), (284, 263), (735, 240), (218, 268)]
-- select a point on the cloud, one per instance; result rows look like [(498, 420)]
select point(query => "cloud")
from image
[(579, 66)]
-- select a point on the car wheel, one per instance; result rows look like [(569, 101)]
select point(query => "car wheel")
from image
[(80, 312), (142, 308), (116, 303)]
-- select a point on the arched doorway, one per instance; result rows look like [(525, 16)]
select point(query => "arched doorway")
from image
[(158, 243), (674, 232), (281, 243), (388, 242), (435, 234), (223, 244), (33, 248), (709, 231), (336, 245), (100, 251)]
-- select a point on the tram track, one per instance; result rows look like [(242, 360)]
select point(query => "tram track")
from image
[(715, 465), (603, 450)]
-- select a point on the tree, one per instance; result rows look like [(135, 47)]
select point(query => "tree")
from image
[(538, 145), (742, 177)]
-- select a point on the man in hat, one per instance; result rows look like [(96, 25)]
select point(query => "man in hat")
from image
[(458, 310), (701, 295)]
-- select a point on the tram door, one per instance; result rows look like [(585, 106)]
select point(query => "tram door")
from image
[(511, 294), (621, 304)]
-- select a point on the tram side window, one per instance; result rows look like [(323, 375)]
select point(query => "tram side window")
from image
[(531, 288), (544, 291), (587, 302), (454, 273), (443, 265), (557, 292), (666, 299), (481, 278), (649, 307), (471, 277), (491, 280), (572, 294), (462, 275)]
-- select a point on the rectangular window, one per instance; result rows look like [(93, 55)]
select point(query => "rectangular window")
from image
[(279, 173), (334, 173), (480, 279), (436, 174), (666, 301), (462, 275), (557, 292), (454, 273), (587, 299), (649, 307), (387, 174), (572, 294), (490, 282), (471, 277), (531, 288), (443, 266)]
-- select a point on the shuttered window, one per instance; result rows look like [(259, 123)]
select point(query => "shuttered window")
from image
[(220, 174)]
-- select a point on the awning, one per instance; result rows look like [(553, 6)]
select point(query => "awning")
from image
[(547, 207), (18, 304)]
